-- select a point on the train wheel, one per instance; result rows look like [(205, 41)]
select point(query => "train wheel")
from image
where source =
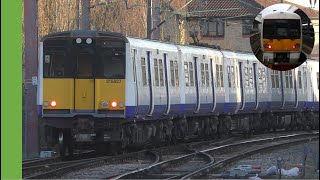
[(65, 144)]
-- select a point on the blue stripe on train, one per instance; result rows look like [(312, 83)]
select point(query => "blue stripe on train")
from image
[(180, 109), (39, 111), (188, 109)]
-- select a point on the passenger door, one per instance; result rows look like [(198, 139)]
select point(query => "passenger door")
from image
[(145, 88), (84, 83), (196, 77)]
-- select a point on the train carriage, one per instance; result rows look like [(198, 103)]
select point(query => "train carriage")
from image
[(109, 90)]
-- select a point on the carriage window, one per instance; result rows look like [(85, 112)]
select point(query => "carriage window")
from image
[(237, 84), (161, 72), (84, 65), (53, 65), (299, 80), (250, 78), (273, 83), (233, 77), (111, 58), (229, 76), (55, 56), (203, 78), (310, 77), (144, 71), (305, 78), (186, 74), (207, 74), (262, 78), (113, 67), (275, 79), (191, 74), (288, 77), (176, 72), (219, 74), (156, 72), (172, 74), (281, 29), (134, 52), (246, 77)]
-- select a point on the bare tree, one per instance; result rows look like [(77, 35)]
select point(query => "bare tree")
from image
[(127, 17)]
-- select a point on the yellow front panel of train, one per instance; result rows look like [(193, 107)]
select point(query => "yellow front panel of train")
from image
[(110, 94), (84, 94), (59, 90), (281, 45)]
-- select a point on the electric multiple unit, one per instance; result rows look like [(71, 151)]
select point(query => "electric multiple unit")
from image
[(109, 90)]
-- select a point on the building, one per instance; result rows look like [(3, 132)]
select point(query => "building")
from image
[(223, 23)]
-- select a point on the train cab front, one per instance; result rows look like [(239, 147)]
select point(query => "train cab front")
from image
[(281, 42), (82, 85)]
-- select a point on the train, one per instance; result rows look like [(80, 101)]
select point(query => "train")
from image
[(281, 39), (111, 91)]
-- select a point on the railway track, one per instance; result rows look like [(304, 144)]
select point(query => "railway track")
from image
[(57, 169), (44, 161), (236, 152), (200, 162), (115, 166)]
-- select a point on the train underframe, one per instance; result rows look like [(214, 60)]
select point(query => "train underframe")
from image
[(109, 136)]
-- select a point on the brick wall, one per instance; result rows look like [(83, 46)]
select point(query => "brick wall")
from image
[(233, 38)]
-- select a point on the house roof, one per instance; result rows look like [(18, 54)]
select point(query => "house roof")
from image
[(224, 8), (234, 8), (311, 13)]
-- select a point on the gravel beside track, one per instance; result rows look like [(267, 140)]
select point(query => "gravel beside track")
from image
[(106, 171), (291, 156), (235, 153)]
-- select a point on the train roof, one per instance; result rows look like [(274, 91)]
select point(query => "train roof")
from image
[(281, 15), (84, 33)]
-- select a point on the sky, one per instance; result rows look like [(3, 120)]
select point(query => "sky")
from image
[(278, 7), (285, 6), (305, 3)]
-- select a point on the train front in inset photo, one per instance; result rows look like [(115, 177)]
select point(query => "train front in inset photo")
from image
[(282, 37)]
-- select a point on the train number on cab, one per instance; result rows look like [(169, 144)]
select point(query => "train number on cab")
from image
[(113, 81)]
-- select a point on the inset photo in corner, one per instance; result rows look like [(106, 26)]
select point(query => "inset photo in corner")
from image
[(282, 37)]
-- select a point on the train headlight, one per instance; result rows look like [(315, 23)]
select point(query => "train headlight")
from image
[(267, 46), (89, 41), (78, 40), (46, 103), (296, 46), (53, 103), (104, 104), (114, 104), (121, 104)]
